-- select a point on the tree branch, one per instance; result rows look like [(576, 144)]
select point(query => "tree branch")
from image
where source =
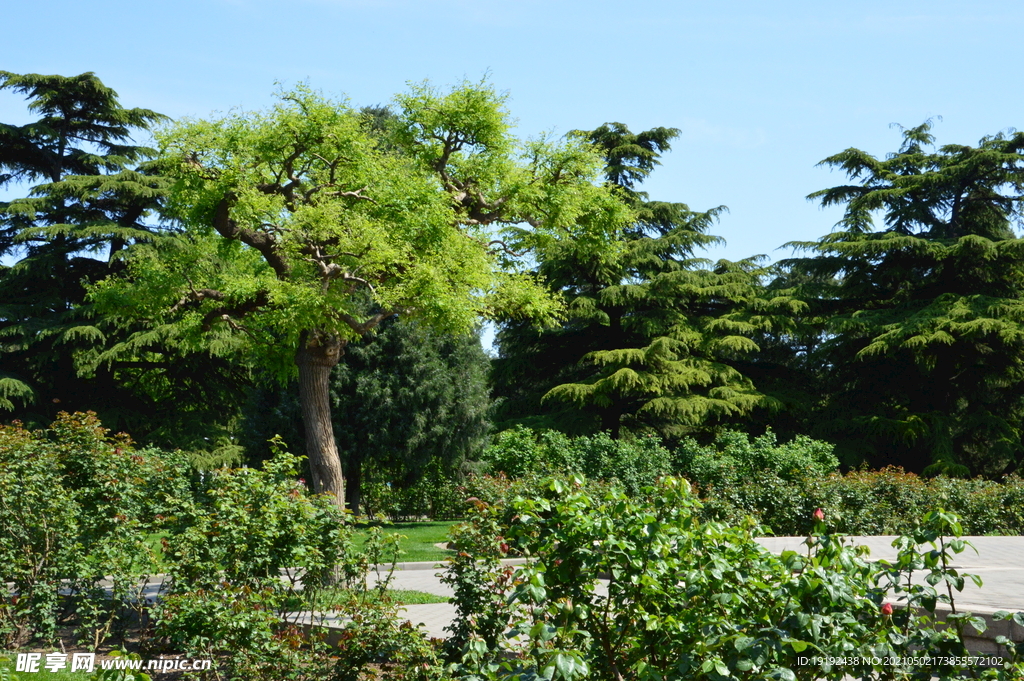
[(362, 328), (229, 313), (196, 296), (264, 243), (504, 247)]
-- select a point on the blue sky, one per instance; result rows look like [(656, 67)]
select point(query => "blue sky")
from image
[(761, 91)]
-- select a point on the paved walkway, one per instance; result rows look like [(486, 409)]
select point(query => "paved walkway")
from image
[(999, 561)]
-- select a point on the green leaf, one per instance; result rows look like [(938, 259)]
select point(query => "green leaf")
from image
[(743, 642), (797, 646), (565, 664)]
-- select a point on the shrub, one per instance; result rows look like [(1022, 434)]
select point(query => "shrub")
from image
[(692, 600), (76, 506), (889, 501), (734, 458), (436, 496), (236, 555), (515, 452), (780, 485), (632, 463)]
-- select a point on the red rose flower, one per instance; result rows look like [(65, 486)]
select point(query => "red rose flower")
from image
[(818, 514), (886, 609)]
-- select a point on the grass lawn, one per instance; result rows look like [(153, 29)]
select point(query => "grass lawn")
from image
[(155, 542), (419, 538), (417, 543)]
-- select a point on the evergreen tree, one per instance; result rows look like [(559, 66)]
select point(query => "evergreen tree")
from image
[(93, 193), (88, 200), (921, 322), (406, 398), (654, 333)]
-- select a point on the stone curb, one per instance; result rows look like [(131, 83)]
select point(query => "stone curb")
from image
[(432, 565), (983, 642)]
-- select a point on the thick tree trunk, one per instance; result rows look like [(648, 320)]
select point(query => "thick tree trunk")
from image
[(316, 356)]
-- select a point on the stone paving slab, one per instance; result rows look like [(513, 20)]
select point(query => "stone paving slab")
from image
[(419, 580), (999, 561), (432, 617)]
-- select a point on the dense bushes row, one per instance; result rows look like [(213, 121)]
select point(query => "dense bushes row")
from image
[(687, 598), (881, 502), (779, 485), (633, 463), (522, 455)]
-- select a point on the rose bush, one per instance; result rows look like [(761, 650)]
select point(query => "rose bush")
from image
[(76, 508), (688, 599)]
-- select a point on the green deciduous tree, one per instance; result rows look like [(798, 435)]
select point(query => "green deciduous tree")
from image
[(293, 217), (921, 322), (88, 200), (654, 332)]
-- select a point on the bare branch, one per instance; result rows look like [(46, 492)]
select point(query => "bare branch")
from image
[(196, 296), (365, 327), (359, 280), (230, 313), (357, 194), (504, 247)]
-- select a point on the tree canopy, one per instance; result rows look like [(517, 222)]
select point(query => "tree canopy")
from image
[(89, 197), (921, 322), (653, 330), (291, 219), (153, 285)]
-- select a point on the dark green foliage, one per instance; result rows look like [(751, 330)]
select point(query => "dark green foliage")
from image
[(654, 333), (629, 157), (90, 197), (405, 398), (93, 193), (437, 495), (917, 328)]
